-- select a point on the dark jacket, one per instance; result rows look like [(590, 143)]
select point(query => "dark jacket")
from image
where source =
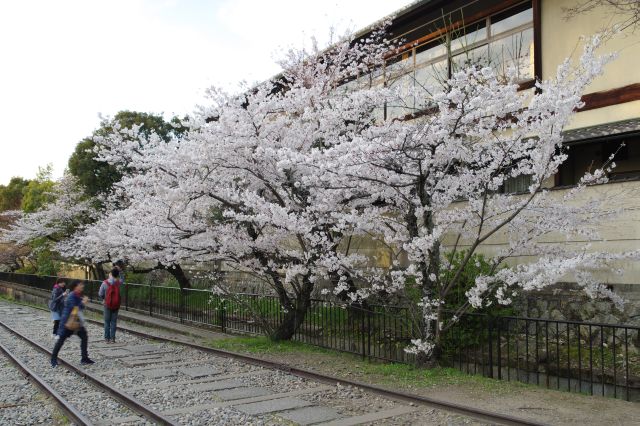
[(56, 304), (73, 299)]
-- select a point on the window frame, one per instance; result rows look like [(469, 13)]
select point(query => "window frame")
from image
[(411, 49)]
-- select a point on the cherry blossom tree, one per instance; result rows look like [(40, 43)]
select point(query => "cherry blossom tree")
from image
[(238, 187), (12, 255), (58, 219), (274, 181), (626, 12), (99, 180), (437, 184), (138, 240), (68, 211)]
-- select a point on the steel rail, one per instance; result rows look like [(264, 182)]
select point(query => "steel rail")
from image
[(126, 399), (69, 409), (477, 413)]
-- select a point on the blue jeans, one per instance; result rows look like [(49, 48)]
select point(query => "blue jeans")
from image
[(110, 320)]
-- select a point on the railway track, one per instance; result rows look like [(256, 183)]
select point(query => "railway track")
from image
[(186, 383), (121, 408), (28, 398)]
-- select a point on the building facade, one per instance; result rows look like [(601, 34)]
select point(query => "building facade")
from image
[(534, 37)]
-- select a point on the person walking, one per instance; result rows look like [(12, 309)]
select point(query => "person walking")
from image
[(109, 293), (56, 304), (72, 322)]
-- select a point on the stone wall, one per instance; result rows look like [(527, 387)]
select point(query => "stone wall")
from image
[(24, 294), (565, 302)]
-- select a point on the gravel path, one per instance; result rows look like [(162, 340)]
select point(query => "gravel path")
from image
[(193, 387), (21, 402), (92, 401)]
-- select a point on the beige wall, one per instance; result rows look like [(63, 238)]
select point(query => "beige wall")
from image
[(70, 270), (618, 235), (560, 39)]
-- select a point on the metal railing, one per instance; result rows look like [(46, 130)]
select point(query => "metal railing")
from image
[(587, 357), (592, 358)]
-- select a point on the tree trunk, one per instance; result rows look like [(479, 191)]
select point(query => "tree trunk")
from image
[(180, 276), (429, 327), (296, 312), (430, 270), (343, 295), (98, 271), (430, 360)]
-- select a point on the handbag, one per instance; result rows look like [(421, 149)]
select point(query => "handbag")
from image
[(73, 323)]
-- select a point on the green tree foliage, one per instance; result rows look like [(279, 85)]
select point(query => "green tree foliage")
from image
[(42, 260), (46, 263), (471, 330), (11, 194), (477, 266), (38, 192), (98, 177)]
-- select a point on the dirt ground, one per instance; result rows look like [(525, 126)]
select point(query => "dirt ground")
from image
[(513, 398), (525, 401)]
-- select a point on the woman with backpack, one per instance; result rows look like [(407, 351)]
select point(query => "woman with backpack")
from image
[(56, 304), (110, 294), (72, 322)]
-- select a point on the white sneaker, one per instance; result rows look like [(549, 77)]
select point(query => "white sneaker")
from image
[(56, 337)]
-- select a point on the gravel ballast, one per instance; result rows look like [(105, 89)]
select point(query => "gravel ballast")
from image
[(194, 387)]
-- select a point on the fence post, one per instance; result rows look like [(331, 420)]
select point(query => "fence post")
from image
[(181, 306), (490, 338), (223, 316), (362, 335), (369, 332), (498, 347), (126, 296), (150, 300)]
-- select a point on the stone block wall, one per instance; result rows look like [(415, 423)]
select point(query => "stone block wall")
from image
[(565, 302)]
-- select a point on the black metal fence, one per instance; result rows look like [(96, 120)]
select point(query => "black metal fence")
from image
[(592, 358), (587, 357)]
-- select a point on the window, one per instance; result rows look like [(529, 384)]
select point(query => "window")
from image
[(516, 185), (426, 53), (512, 18), (431, 72), (399, 75), (589, 156), (477, 56), (512, 42), (468, 36), (405, 102), (503, 41), (430, 79)]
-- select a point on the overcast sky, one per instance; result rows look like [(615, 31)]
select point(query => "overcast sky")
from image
[(62, 63)]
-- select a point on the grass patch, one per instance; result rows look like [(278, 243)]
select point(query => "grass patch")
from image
[(6, 297), (353, 367), (9, 298), (263, 345)]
